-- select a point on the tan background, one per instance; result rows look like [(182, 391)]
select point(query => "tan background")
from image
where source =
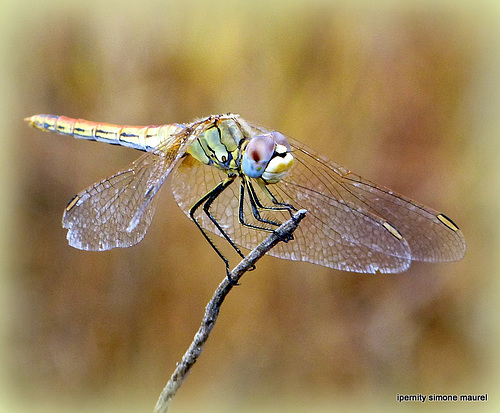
[(404, 94)]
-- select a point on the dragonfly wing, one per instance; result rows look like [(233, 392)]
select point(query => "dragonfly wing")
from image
[(343, 202), (117, 211)]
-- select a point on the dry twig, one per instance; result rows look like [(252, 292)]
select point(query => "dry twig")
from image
[(283, 233)]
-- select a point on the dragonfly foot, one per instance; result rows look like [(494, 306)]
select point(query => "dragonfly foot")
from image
[(285, 238), (231, 279)]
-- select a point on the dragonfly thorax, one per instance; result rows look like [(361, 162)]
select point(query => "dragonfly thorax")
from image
[(227, 145), (219, 145)]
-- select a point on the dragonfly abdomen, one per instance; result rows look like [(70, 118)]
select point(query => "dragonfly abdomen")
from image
[(144, 138)]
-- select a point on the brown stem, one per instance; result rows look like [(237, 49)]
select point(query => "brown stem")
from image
[(284, 232)]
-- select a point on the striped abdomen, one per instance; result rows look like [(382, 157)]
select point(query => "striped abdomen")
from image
[(144, 138)]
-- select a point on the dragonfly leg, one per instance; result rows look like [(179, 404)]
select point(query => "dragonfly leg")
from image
[(207, 201), (280, 205), (256, 204)]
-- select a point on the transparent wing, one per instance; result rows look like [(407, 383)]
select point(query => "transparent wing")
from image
[(345, 227), (317, 183), (117, 211)]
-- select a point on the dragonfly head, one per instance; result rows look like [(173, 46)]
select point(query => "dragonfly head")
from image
[(267, 156)]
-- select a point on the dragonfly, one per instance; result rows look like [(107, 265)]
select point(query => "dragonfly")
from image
[(241, 181)]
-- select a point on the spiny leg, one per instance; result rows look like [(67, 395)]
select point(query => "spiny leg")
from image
[(206, 208), (255, 204), (280, 206), (207, 201)]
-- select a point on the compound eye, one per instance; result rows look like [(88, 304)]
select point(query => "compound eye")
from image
[(280, 139), (257, 155)]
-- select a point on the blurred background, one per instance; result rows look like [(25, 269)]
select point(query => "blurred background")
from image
[(404, 93)]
